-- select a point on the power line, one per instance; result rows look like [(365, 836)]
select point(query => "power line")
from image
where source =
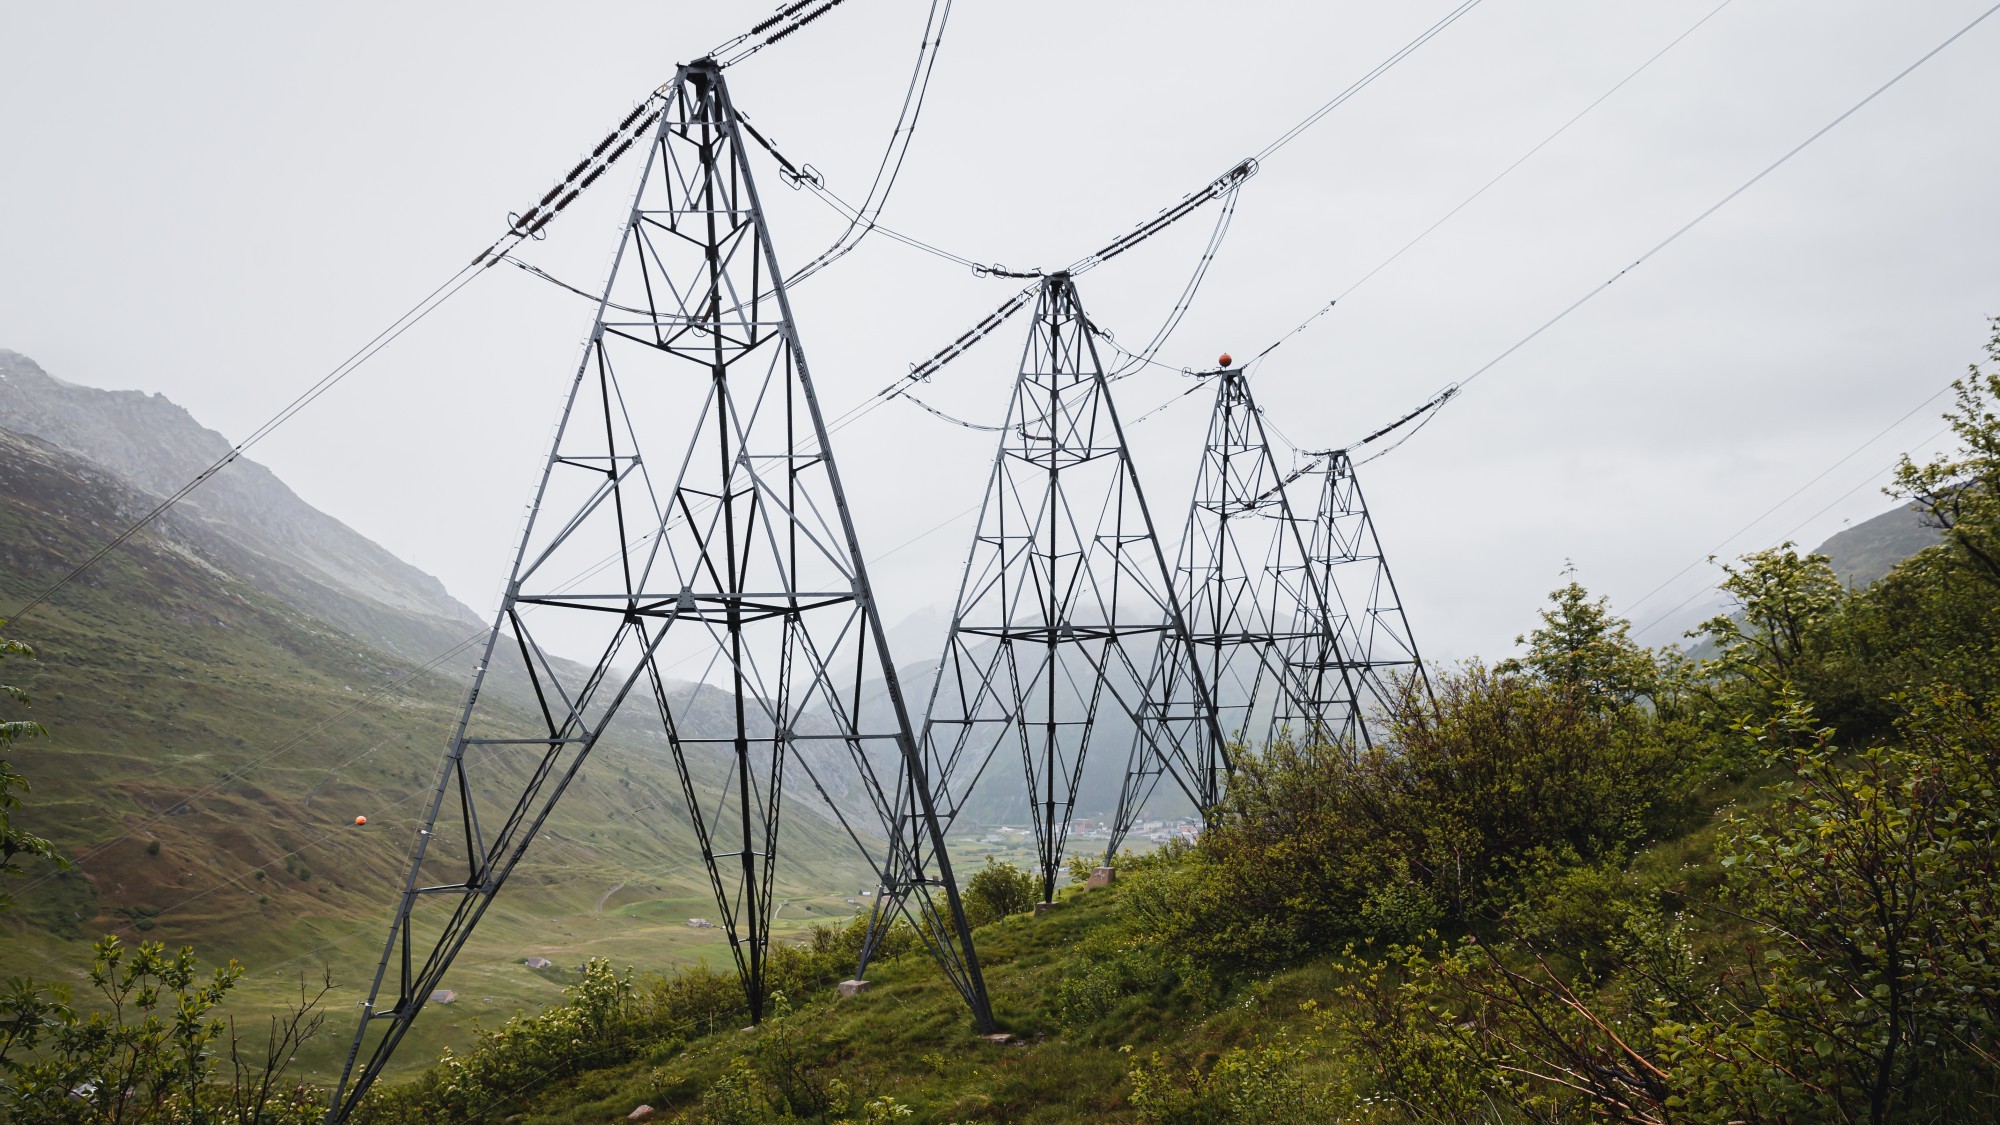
[(804, 175), (530, 224), (1727, 199), (1858, 486), (521, 226), (383, 339), (1225, 185), (1134, 360), (1311, 119), (1525, 157), (1694, 222), (1794, 494), (890, 167), (1489, 185), (785, 21)]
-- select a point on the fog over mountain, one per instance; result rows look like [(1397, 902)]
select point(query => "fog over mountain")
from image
[(255, 525)]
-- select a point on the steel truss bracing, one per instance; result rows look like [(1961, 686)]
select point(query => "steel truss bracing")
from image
[(1252, 600), (1065, 595), (690, 521), (1350, 676)]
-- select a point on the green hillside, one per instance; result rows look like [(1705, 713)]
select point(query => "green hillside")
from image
[(1870, 549), (209, 750), (1590, 883)]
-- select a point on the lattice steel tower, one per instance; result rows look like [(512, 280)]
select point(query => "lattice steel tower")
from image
[(1349, 675), (1253, 600), (1065, 596), (690, 518)]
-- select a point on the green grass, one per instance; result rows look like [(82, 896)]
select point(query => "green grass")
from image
[(205, 768), (909, 1036), (189, 711)]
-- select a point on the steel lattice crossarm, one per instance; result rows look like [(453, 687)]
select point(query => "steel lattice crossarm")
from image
[(1350, 676), (1065, 596), (1252, 601), (690, 518)]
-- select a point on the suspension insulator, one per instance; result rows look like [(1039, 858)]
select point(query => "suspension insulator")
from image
[(632, 116), (524, 220), (578, 170), (567, 199), (779, 16), (553, 192), (541, 222), (618, 152), (604, 144), (592, 178)]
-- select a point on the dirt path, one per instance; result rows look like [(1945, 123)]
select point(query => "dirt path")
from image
[(615, 888)]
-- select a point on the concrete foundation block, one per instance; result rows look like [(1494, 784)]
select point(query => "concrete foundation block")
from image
[(852, 987), (1101, 876), (1042, 908)]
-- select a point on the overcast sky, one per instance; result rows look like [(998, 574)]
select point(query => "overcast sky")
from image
[(218, 202)]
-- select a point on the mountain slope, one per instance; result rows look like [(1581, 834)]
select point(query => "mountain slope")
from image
[(210, 745), (1870, 549), (245, 515)]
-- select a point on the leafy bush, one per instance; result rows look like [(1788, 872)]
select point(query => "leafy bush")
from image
[(151, 1056), (998, 890), (1484, 788), (610, 1018), (1865, 989), (1255, 1085), (16, 845)]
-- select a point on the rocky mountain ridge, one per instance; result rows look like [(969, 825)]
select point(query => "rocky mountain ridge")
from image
[(258, 527)]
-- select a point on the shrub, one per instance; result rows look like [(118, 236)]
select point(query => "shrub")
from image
[(1864, 989), (1255, 1085), (1483, 793), (610, 1018), (998, 890), (151, 1055)]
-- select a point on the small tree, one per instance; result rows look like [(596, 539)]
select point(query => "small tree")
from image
[(15, 844), (997, 890), (1782, 598), (1583, 645), (1959, 492), (145, 1057)]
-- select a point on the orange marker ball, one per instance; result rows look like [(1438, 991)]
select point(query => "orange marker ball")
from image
[(360, 820), (1224, 360)]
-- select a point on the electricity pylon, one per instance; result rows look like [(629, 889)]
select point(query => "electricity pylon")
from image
[(689, 519), (1065, 596), (1350, 674), (1252, 600)]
